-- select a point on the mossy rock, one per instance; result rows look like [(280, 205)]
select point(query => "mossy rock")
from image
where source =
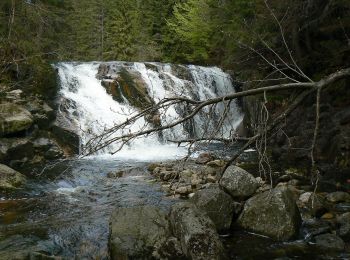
[(134, 89), (14, 119), (10, 179)]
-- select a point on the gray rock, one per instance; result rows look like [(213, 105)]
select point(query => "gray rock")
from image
[(10, 179), (184, 190), (338, 196), (238, 182), (344, 226), (342, 207), (304, 197), (217, 204), (204, 158), (316, 205), (66, 136), (137, 233), (48, 148), (40, 256), (14, 119), (114, 175), (272, 213), (186, 176), (196, 232), (171, 250), (216, 163), (313, 227), (329, 242)]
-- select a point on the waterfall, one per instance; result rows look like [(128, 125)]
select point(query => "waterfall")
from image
[(91, 110)]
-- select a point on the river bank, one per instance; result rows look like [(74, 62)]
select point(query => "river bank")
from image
[(66, 214)]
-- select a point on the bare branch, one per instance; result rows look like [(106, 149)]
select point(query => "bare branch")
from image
[(107, 138)]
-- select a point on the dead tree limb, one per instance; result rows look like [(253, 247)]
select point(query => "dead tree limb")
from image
[(101, 141)]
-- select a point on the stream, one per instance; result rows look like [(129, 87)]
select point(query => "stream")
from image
[(66, 213)]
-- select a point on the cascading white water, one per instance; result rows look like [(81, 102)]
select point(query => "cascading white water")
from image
[(93, 110)]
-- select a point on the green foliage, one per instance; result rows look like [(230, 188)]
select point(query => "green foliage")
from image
[(38, 32), (30, 33)]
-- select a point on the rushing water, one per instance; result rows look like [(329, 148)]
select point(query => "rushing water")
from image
[(91, 110), (65, 211)]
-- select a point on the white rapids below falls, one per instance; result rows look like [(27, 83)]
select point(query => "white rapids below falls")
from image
[(92, 110)]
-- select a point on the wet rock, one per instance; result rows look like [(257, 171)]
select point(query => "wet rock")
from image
[(263, 188), (137, 233), (186, 176), (204, 158), (48, 148), (313, 227), (284, 178), (260, 181), (304, 197), (14, 119), (196, 181), (238, 182), (153, 166), (114, 175), (40, 256), (338, 196), (217, 204), (166, 188), (66, 136), (184, 190), (327, 215), (316, 205), (344, 226), (16, 148), (53, 153), (216, 163), (329, 242), (14, 95), (10, 179), (196, 232), (272, 213), (211, 179), (168, 175), (171, 249), (342, 207), (42, 113)]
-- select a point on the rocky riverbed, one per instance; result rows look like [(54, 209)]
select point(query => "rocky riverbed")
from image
[(221, 215)]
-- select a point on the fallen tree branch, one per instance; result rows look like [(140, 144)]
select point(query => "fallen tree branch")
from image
[(274, 124), (105, 139), (223, 140)]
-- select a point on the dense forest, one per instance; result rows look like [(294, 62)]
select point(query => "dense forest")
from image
[(35, 33)]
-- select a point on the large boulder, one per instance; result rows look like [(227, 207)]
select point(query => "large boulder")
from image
[(10, 179), (138, 232), (338, 196), (16, 149), (344, 226), (217, 204), (48, 148), (272, 213), (329, 242), (122, 81), (196, 232), (238, 182), (66, 136), (14, 119)]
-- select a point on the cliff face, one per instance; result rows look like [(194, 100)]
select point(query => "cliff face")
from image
[(290, 146)]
